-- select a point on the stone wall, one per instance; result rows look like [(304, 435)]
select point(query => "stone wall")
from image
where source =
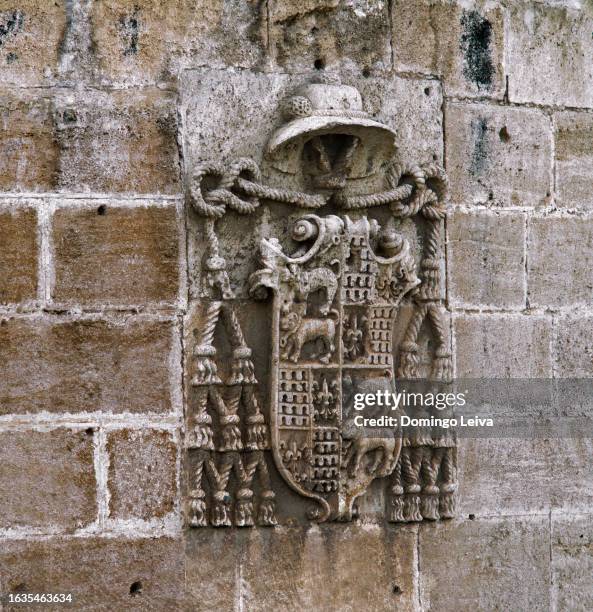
[(106, 105)]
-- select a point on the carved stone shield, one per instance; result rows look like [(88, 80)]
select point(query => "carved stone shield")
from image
[(335, 300)]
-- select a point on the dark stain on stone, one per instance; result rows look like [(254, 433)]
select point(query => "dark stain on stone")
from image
[(11, 57), (480, 150), (475, 44), (13, 25), (130, 29)]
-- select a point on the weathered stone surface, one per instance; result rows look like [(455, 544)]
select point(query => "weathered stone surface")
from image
[(572, 562), (121, 141), (217, 103), (550, 54), (465, 46), (150, 41), (560, 262), (29, 156), (574, 159), (510, 476), (47, 479), (503, 346), (485, 565), (60, 364), (498, 154), (19, 253), (321, 568), (101, 573), (317, 34), (142, 478), (30, 40), (574, 347), (105, 254), (486, 259)]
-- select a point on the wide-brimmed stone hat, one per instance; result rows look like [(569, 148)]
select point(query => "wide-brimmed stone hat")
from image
[(317, 109)]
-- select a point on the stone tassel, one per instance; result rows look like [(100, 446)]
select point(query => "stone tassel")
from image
[(448, 487), (198, 510), (411, 462), (396, 499), (430, 499)]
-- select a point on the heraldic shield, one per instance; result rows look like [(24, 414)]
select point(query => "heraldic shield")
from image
[(335, 300)]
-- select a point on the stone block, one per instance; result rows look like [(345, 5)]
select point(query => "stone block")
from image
[(486, 259), (120, 141), (503, 346), (150, 41), (503, 476), (560, 261), (107, 254), (31, 34), (550, 54), (572, 562), (47, 480), (142, 478), (498, 155), (101, 573), (64, 364), (19, 253), (574, 159), (29, 155), (574, 347), (293, 568), (498, 564), (327, 34), (464, 46)]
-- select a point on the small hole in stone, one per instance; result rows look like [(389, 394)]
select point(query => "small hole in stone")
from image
[(581, 536), (89, 431), (366, 73), (319, 64), (471, 517), (136, 588), (396, 590), (427, 91), (102, 209), (434, 157), (504, 134)]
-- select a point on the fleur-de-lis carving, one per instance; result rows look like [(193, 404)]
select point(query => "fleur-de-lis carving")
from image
[(325, 399)]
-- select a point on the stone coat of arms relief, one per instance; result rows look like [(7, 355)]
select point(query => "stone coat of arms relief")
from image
[(335, 281)]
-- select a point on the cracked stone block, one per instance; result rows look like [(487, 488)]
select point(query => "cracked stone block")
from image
[(486, 259), (574, 159), (29, 155), (123, 573), (327, 34), (463, 45), (120, 141), (503, 346), (31, 39), (142, 478), (107, 254), (550, 54), (545, 474), (500, 564), (19, 253), (498, 155), (560, 261), (60, 364), (150, 41), (572, 561), (574, 347), (294, 568), (47, 479)]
